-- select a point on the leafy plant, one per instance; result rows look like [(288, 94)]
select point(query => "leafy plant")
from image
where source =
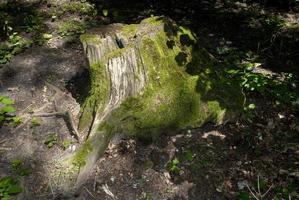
[(16, 121), (286, 191), (6, 109), (51, 140), (12, 46), (71, 28), (66, 144), (172, 166), (17, 166), (280, 90), (244, 196), (9, 186), (35, 122)]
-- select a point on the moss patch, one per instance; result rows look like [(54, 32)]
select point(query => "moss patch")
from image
[(81, 155), (100, 85), (90, 38), (185, 85)]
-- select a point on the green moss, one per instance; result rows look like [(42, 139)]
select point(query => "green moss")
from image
[(35, 122), (184, 87), (216, 113), (98, 97), (115, 54), (154, 21), (81, 155), (81, 8), (170, 100), (87, 38), (129, 30), (71, 28)]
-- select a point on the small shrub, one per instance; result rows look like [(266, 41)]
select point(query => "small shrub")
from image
[(9, 186), (35, 122), (15, 44), (172, 166), (51, 140), (71, 28), (66, 144), (19, 168), (6, 109)]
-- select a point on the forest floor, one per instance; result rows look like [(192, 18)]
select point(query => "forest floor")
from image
[(256, 157)]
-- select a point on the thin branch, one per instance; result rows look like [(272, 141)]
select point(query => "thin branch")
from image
[(267, 191), (258, 186), (89, 193), (252, 192)]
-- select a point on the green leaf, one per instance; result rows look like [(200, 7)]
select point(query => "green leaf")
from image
[(6, 101), (24, 171), (7, 109), (251, 106), (35, 122), (244, 196), (105, 12), (51, 140), (232, 71), (296, 103), (16, 121), (16, 163), (15, 189), (66, 144)]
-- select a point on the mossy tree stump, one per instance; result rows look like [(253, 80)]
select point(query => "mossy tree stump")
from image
[(146, 79)]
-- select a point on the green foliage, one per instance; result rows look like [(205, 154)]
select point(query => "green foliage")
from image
[(15, 44), (6, 109), (66, 144), (244, 196), (16, 163), (279, 90), (105, 12), (19, 168), (74, 7), (16, 121), (35, 122), (285, 192), (80, 157), (71, 28), (51, 140), (173, 166), (9, 186)]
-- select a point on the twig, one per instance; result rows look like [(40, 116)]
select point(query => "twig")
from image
[(5, 148), (22, 111), (258, 186), (108, 192), (267, 191), (252, 192), (3, 141), (51, 189), (89, 193)]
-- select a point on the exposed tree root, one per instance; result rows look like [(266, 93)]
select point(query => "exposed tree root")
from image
[(67, 116)]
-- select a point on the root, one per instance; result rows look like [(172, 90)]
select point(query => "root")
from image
[(67, 116)]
